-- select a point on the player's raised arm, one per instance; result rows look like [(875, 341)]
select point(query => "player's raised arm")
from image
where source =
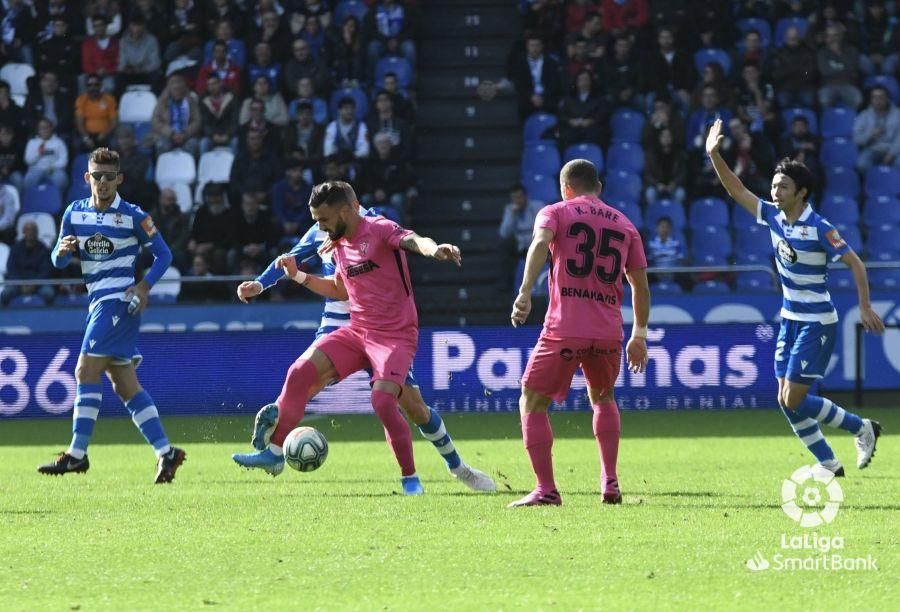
[(868, 317), (729, 179), (534, 261), (326, 287), (429, 248)]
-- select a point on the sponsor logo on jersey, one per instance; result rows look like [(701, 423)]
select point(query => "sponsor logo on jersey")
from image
[(834, 238), (148, 226), (787, 253), (99, 246), (361, 268)]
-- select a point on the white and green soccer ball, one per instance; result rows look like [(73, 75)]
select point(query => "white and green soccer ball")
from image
[(305, 449)]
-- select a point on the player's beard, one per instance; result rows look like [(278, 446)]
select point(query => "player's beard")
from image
[(340, 229)]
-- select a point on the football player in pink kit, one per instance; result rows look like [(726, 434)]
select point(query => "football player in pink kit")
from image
[(370, 271), (591, 245)]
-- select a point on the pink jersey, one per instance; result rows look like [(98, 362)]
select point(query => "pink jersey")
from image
[(593, 245), (374, 271)]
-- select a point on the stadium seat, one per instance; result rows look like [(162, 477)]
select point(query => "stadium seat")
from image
[(710, 241), (214, 167), (753, 239), (626, 125), (78, 190), (541, 158), (710, 55), (358, 95), (536, 125), (542, 187), (182, 196), (840, 279), (630, 209), (886, 81), (673, 209), (841, 180), (788, 114), (176, 167), (72, 299), (46, 225), (585, 150), (43, 197), (784, 24), (627, 156), (750, 258), (11, 198), (754, 281), (711, 287), (760, 25), (709, 211), (32, 300), (885, 279), (881, 243), (882, 180), (741, 219), (837, 121), (17, 76), (350, 8), (665, 288), (168, 285), (79, 165), (143, 136), (623, 185), (399, 66), (4, 257), (839, 209), (852, 236), (136, 106), (882, 209), (838, 152)]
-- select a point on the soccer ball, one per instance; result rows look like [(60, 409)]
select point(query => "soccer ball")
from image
[(305, 449)]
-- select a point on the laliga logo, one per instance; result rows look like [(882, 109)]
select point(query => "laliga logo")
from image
[(802, 496)]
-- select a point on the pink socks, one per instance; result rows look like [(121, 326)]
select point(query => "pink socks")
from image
[(538, 438), (607, 428), (301, 377), (396, 430)]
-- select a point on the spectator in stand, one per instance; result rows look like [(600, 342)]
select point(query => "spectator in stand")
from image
[(257, 122), (536, 77), (176, 118), (544, 17), (579, 60), (235, 47), (175, 227), (109, 10), (306, 93), (387, 179), (713, 75), (620, 76), (155, 18), (591, 31), (202, 267), (9, 210), (18, 33), (29, 258), (794, 72), (665, 170), (48, 12), (876, 131), (50, 102), (315, 8), (12, 164), (838, 65), (60, 52), (749, 155), (223, 68), (585, 114), (185, 27), (389, 27), (219, 112), (314, 36), (756, 101), (830, 13), (670, 71), (303, 65), (290, 202), (403, 108), (752, 52), (701, 120), (515, 232), (662, 117), (255, 169), (224, 10), (347, 63), (346, 137), (383, 120), (304, 138), (138, 186), (96, 115), (664, 249), (275, 35), (47, 157), (10, 112), (213, 228), (801, 144), (275, 110), (263, 66), (100, 56), (139, 60), (624, 16), (254, 235), (880, 40)]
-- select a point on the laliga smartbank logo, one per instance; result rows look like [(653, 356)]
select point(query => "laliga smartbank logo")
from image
[(811, 497)]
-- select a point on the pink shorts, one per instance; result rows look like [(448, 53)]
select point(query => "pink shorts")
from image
[(389, 354), (554, 360)]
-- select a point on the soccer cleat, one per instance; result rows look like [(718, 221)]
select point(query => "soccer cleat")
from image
[(65, 464), (412, 485), (168, 464), (472, 478), (834, 466), (536, 498), (263, 460), (866, 440), (264, 426)]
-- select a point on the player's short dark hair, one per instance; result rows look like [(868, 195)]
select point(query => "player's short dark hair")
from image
[(580, 175), (345, 101), (797, 172), (104, 157), (332, 193)]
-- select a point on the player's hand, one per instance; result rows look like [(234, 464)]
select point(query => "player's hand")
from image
[(327, 246), (249, 289), (714, 138), (68, 244), (142, 290), (870, 320), (288, 264), (521, 309), (448, 252), (636, 351)]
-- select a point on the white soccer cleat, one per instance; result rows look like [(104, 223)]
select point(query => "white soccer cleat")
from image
[(866, 440), (834, 466), (474, 479)]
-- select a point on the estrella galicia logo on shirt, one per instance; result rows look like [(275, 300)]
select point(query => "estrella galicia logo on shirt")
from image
[(99, 246), (361, 268), (787, 253)]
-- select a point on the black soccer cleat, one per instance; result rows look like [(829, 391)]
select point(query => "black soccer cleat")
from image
[(65, 464), (168, 464)]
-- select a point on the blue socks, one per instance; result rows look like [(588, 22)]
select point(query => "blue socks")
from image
[(435, 432), (825, 411), (807, 429), (87, 407), (145, 416)]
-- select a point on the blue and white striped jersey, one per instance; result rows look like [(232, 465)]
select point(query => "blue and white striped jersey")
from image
[(802, 252)]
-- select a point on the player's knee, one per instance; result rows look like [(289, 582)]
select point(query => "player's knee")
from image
[(792, 398), (531, 401), (87, 373), (416, 411), (302, 373), (382, 401)]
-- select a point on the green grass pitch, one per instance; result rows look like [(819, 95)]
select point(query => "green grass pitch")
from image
[(702, 496)]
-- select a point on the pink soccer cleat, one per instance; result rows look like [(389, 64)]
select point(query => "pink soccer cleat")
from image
[(611, 493), (536, 498)]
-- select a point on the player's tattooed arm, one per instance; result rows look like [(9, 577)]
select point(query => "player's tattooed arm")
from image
[(429, 248), (729, 179), (867, 316)]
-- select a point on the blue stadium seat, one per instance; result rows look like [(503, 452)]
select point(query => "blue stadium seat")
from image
[(709, 55), (753, 239), (754, 281), (841, 180), (838, 121), (625, 156), (27, 301), (665, 288), (852, 237), (43, 197), (783, 25), (839, 209), (748, 258), (760, 25), (541, 158), (622, 184), (142, 136), (741, 219), (711, 287), (885, 279), (882, 180), (585, 150), (710, 241), (673, 209), (399, 66), (788, 114), (536, 125), (886, 81), (626, 125), (358, 95), (630, 209), (881, 209), (72, 299), (78, 190), (350, 8), (882, 243), (841, 279), (838, 152), (162, 298), (542, 187), (78, 168), (709, 211)]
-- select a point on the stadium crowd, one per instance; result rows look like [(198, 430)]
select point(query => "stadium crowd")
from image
[(224, 114)]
